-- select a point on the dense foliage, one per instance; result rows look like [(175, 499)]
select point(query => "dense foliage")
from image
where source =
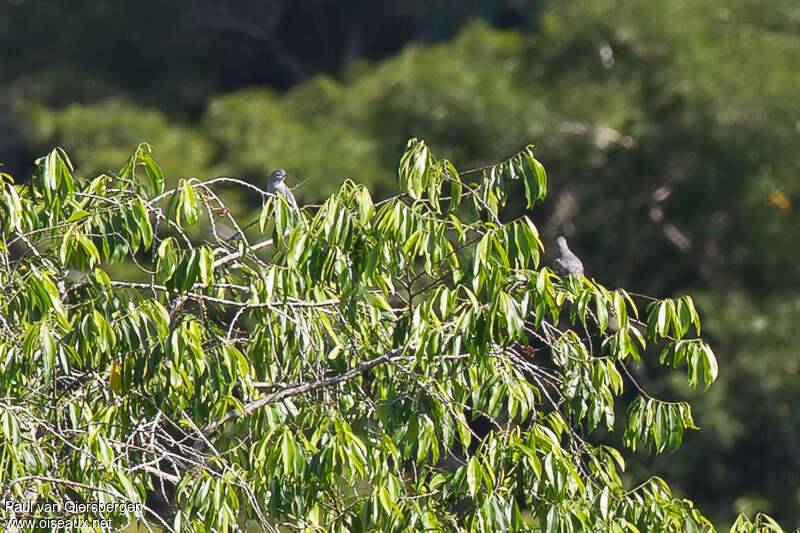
[(359, 366), (671, 128)]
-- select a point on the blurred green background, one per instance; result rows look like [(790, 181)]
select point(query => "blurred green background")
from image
[(670, 132)]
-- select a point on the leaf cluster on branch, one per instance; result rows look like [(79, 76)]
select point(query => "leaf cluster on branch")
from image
[(356, 366)]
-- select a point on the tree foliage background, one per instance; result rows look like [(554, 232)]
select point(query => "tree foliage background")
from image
[(669, 130)]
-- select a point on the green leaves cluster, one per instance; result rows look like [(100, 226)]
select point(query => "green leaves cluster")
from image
[(628, 102), (421, 172), (396, 365)]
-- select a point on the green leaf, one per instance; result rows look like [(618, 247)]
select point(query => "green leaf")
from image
[(48, 344), (206, 265), (287, 452), (167, 260), (456, 189), (602, 310), (535, 177), (692, 312), (474, 476), (710, 369), (143, 222), (663, 317), (141, 158), (90, 249), (365, 206), (153, 172), (188, 201), (77, 215), (604, 503)]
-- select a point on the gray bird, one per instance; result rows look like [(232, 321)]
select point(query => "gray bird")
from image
[(567, 263), (276, 185)]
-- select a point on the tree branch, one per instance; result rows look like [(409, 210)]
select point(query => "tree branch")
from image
[(302, 388)]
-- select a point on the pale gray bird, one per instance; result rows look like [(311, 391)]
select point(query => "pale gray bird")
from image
[(276, 185), (567, 263)]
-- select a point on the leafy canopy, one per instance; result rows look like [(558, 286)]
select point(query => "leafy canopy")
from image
[(354, 366)]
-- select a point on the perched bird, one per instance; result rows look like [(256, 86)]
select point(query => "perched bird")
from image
[(276, 185), (567, 263)]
